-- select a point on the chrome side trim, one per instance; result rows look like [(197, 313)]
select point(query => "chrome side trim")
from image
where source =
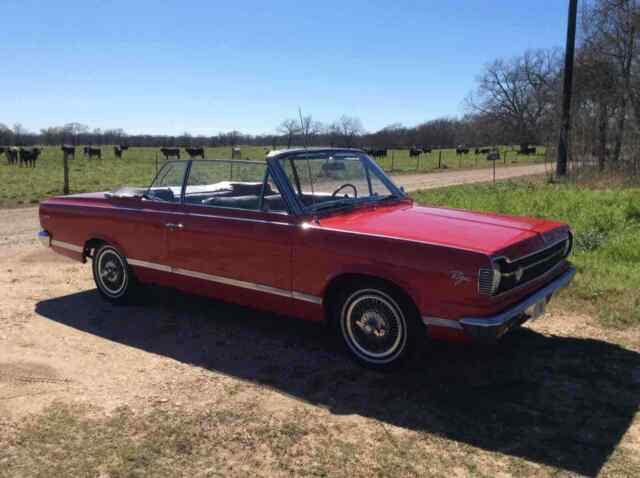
[(232, 282), (66, 245), (512, 313), (306, 297), (245, 219), (149, 265), (453, 324), (227, 281), (45, 238)]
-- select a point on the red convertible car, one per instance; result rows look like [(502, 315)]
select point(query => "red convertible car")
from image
[(321, 234)]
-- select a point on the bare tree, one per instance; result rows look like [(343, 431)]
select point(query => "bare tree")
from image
[(74, 130), (6, 135), (347, 128), (521, 93), (289, 128), (612, 29), (19, 131), (310, 129)]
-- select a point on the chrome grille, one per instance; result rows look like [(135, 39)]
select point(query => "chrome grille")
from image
[(518, 272)]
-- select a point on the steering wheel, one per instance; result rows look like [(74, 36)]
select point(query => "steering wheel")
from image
[(355, 191)]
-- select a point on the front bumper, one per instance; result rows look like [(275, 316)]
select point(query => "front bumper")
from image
[(45, 238), (489, 329)]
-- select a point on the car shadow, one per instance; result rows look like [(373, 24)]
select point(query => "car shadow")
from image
[(560, 401)]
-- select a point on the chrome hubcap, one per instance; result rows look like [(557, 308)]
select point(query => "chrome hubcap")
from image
[(373, 323), (111, 272), (374, 327)]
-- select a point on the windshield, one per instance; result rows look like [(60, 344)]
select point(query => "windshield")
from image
[(326, 180)]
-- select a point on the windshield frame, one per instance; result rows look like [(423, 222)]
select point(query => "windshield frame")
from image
[(370, 167)]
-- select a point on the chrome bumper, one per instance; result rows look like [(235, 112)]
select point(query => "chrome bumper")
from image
[(45, 238), (489, 329)]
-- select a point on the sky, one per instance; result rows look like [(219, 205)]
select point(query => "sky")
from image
[(205, 66)]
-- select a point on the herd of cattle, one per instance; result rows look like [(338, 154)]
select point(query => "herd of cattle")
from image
[(28, 156), (22, 156)]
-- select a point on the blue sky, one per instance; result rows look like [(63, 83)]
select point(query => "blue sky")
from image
[(206, 66)]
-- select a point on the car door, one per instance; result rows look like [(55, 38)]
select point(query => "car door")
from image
[(145, 243), (229, 242)]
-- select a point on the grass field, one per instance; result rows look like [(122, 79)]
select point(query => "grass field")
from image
[(606, 223), (20, 186)]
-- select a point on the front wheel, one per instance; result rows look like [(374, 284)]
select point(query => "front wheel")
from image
[(112, 275), (377, 327)]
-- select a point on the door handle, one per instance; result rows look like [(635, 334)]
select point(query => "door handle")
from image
[(173, 226)]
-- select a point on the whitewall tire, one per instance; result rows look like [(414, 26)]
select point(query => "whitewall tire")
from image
[(376, 327), (112, 274)]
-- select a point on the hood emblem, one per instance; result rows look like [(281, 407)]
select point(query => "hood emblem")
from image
[(459, 277)]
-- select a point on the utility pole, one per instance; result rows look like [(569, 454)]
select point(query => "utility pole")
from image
[(563, 144)]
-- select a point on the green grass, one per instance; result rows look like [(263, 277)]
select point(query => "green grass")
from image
[(606, 223), (24, 186)]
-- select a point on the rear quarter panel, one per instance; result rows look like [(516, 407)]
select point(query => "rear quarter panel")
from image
[(135, 228)]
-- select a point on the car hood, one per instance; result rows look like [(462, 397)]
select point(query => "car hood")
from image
[(475, 231)]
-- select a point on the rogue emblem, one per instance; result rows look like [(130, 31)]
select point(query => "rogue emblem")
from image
[(458, 277)]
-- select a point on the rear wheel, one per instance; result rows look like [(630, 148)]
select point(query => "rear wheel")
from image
[(112, 275), (378, 326)]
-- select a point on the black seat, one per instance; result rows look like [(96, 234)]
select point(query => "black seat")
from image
[(241, 202), (163, 194)]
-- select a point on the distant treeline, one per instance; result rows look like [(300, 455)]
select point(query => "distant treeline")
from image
[(346, 132)]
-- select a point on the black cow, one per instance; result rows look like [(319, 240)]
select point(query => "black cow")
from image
[(117, 151), (482, 150), (527, 150), (461, 150), (68, 151), (427, 150), (91, 152), (377, 153), (12, 155), (29, 156), (170, 152), (414, 152), (195, 152)]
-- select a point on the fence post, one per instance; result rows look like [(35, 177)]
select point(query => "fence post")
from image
[(392, 161), (418, 163), (65, 167), (494, 172), (440, 159)]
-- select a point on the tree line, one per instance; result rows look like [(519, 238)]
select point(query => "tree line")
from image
[(515, 101)]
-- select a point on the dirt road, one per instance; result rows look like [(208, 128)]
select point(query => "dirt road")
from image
[(300, 403)]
